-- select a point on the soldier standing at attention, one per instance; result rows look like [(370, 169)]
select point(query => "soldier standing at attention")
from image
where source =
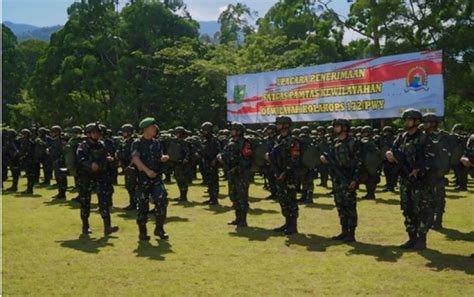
[(307, 175), (92, 161), (124, 154), (390, 170), (56, 152), (27, 150), (147, 156), (285, 156), (410, 152), (269, 170), (441, 144), (345, 164), (182, 168), (237, 158), (210, 149)]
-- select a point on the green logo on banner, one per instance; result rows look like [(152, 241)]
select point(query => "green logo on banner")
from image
[(239, 93)]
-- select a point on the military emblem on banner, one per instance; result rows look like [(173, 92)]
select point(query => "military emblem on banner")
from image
[(239, 93), (417, 79)]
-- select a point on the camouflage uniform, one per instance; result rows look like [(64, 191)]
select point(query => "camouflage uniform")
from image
[(369, 147), (181, 165), (345, 167), (390, 170), (56, 152), (149, 151), (269, 170), (416, 196), (88, 152), (307, 175), (124, 154), (210, 149), (26, 158), (237, 157), (458, 141), (45, 160), (285, 157)]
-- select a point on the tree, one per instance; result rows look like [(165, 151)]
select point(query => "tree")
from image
[(234, 23)]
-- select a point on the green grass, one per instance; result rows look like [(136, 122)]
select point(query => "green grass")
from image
[(43, 254)]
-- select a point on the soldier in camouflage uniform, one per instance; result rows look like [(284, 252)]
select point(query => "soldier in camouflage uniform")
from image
[(147, 156), (26, 158), (112, 162), (307, 175), (237, 158), (411, 152), (181, 165), (440, 139), (56, 152), (285, 157), (344, 159), (46, 161), (10, 158), (321, 141), (210, 149), (390, 170), (269, 172), (459, 143), (91, 167), (124, 154), (368, 146)]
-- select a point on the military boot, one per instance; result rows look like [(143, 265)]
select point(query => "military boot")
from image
[(438, 222), (342, 234), (292, 227), (350, 236), (243, 220), (237, 219), (142, 232), (85, 227), (420, 243), (159, 228), (108, 228), (183, 197), (282, 227), (411, 241)]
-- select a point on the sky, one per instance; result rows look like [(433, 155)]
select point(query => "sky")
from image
[(53, 12)]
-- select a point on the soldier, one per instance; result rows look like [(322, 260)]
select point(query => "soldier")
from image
[(285, 157), (210, 149), (237, 158), (370, 154), (441, 147), (11, 155), (45, 160), (181, 164), (147, 156), (321, 141), (411, 152), (70, 158), (269, 170), (26, 158), (124, 155), (56, 152), (92, 161), (459, 143), (345, 164), (112, 163), (307, 175), (390, 170)]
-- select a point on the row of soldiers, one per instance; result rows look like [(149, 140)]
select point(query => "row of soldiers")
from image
[(289, 159)]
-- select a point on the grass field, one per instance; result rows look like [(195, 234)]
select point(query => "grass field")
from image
[(43, 254)]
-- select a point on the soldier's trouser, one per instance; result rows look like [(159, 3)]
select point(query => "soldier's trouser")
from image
[(239, 190), (270, 175), (181, 174), (155, 190), (346, 204), (130, 183), (323, 174), (30, 176), (439, 192), (16, 171), (37, 171), (86, 186), (4, 172), (416, 202), (286, 195), (308, 183), (47, 168), (60, 175), (390, 171), (460, 173), (371, 184), (212, 179)]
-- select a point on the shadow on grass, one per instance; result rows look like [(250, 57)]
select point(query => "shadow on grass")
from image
[(312, 242), (86, 244), (186, 204), (173, 219), (24, 195), (260, 211), (320, 206), (455, 197), (253, 233), (218, 209), (146, 250), (454, 235), (440, 261), (387, 201), (385, 253)]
